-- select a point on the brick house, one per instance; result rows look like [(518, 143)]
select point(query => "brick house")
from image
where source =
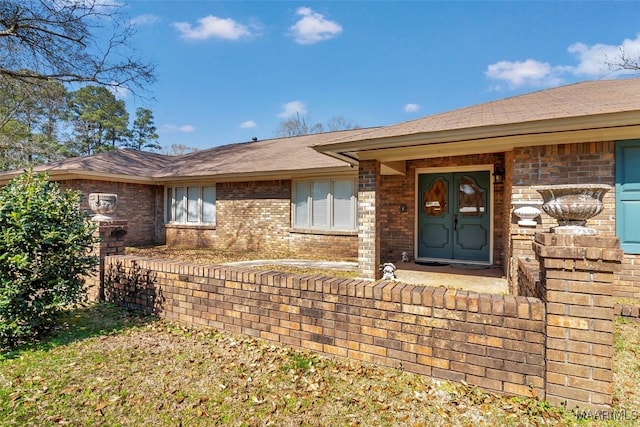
[(441, 188), (495, 154), (277, 194)]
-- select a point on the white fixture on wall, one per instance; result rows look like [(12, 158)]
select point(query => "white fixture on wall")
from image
[(527, 211)]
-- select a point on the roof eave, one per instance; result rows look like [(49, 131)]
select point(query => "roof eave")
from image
[(499, 144), (64, 175), (262, 175), (506, 132)]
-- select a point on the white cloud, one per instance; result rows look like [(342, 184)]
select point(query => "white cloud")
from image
[(147, 19), (176, 128), (292, 108), (525, 73), (312, 27), (120, 92), (212, 27), (248, 124), (593, 62), (186, 128), (411, 108)]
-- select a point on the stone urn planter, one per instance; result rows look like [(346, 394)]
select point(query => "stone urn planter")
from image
[(572, 205), (526, 213), (103, 204)]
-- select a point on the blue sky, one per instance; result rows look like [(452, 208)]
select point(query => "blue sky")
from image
[(229, 71)]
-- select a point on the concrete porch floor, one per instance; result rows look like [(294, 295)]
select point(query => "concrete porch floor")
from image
[(468, 277), (477, 278)]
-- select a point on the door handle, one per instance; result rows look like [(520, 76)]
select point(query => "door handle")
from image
[(455, 222)]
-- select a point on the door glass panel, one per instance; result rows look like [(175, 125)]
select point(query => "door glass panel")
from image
[(434, 199), (470, 198)]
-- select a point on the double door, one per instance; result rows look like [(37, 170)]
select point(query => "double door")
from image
[(454, 221)]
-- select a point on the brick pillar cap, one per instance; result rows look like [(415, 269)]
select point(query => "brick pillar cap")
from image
[(572, 240)]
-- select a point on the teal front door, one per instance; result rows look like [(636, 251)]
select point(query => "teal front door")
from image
[(454, 222)]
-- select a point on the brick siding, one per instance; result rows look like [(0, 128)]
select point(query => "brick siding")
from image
[(330, 245), (191, 236), (586, 163), (250, 215), (369, 219), (141, 205), (253, 215), (257, 215)]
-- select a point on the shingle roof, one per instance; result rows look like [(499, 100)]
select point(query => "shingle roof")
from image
[(297, 155), (575, 100), (120, 162), (266, 156), (286, 156)]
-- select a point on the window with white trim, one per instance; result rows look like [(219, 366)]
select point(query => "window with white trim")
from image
[(191, 205), (324, 204)]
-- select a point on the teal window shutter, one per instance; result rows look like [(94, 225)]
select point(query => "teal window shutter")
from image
[(628, 195)]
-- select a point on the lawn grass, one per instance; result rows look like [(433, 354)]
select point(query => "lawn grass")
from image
[(222, 256), (626, 372), (108, 367)]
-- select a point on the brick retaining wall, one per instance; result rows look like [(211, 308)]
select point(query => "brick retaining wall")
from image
[(493, 341), (558, 348), (529, 278)]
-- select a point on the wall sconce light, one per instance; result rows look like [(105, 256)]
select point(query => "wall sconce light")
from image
[(498, 175), (403, 207)]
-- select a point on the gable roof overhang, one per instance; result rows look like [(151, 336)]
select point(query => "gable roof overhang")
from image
[(488, 139), (590, 111), (69, 174)]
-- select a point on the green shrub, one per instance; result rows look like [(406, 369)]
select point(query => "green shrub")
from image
[(45, 243)]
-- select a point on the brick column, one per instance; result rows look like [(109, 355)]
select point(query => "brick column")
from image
[(111, 242), (368, 219), (577, 275)]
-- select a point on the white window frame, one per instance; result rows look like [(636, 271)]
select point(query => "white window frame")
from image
[(170, 193), (330, 214)]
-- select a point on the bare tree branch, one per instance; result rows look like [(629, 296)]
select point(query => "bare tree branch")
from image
[(300, 125), (70, 42), (624, 62)]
